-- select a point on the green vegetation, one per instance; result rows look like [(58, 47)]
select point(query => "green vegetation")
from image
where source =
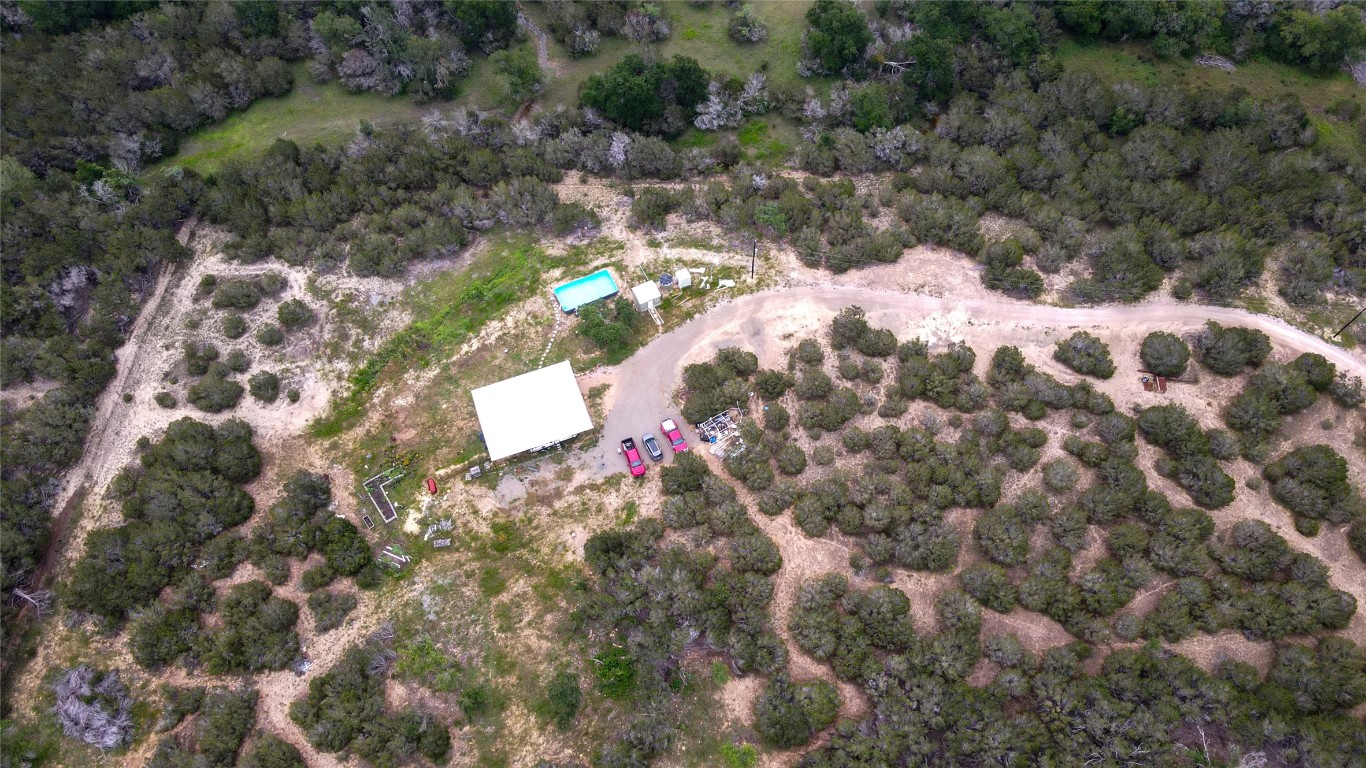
[(1164, 354), (480, 293), (345, 710), (1086, 354), (127, 566)]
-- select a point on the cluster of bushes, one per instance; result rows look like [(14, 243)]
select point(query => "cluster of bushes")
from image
[(788, 714), (1191, 459), (300, 523), (896, 507), (657, 98), (222, 720), (851, 629), (1265, 590), (307, 205), (923, 709), (611, 330), (1276, 391), (1312, 482), (945, 379), (1019, 387), (82, 251), (1229, 351), (712, 388), (650, 604), (1085, 354), (345, 711), (184, 491), (581, 25)]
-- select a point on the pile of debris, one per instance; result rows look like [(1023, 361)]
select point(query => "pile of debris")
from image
[(98, 715), (1215, 62)]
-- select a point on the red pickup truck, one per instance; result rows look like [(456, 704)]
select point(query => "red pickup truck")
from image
[(633, 460), (673, 435)]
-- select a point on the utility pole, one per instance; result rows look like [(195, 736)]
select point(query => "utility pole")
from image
[(754, 256)]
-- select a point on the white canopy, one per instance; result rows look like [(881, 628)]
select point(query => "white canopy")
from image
[(531, 411)]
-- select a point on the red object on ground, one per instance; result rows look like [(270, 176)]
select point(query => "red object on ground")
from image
[(431, 486), (673, 435), (633, 460)]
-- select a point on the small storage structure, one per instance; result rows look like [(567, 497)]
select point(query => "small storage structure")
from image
[(646, 295), (683, 278)]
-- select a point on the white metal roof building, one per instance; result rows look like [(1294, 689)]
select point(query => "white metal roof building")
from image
[(531, 411), (646, 295)]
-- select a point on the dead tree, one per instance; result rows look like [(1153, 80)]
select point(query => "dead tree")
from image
[(84, 711)]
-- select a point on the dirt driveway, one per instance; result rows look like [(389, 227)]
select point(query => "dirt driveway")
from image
[(769, 322)]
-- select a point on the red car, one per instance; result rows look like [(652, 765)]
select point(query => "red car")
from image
[(673, 435), (633, 460)]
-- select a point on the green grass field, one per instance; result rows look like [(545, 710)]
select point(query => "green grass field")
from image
[(1263, 79), (311, 113)]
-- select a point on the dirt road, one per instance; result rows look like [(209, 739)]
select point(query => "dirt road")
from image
[(644, 382)]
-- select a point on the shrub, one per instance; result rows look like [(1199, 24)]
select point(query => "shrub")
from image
[(1312, 482), (1085, 354), (989, 584), (237, 361), (234, 326), (776, 417), (746, 26), (1164, 354), (206, 286), (1060, 475), (809, 352), (1348, 393), (214, 394), (563, 697), (772, 385), (1356, 537), (198, 357), (787, 715), (294, 314), (1228, 351), (330, 608), (264, 386), (616, 672), (791, 459), (237, 294), (257, 632), (165, 399), (1002, 536), (270, 335), (270, 751), (317, 577)]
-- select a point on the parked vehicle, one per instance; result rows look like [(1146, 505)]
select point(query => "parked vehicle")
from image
[(652, 446), (673, 435), (633, 460)]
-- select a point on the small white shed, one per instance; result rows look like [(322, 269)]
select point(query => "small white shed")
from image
[(646, 295), (683, 278)]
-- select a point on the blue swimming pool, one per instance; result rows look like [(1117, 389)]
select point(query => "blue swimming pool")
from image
[(586, 290)]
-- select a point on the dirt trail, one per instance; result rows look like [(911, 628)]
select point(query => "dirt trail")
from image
[(107, 424)]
